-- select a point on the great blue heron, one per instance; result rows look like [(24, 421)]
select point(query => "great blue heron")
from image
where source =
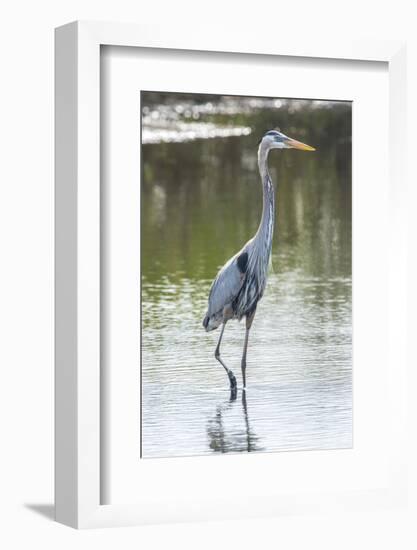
[(241, 282)]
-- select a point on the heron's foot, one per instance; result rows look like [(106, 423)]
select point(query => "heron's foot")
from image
[(232, 380), (233, 393), (233, 385)]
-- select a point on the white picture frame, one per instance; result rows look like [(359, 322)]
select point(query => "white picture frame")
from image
[(78, 321)]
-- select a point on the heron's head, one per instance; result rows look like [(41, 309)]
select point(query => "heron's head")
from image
[(274, 139)]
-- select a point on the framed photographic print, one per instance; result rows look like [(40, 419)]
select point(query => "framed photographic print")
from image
[(227, 220)]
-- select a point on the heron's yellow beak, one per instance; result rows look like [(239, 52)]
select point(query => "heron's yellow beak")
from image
[(294, 144)]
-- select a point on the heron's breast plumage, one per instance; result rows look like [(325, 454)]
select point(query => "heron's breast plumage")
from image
[(254, 283), (241, 282)]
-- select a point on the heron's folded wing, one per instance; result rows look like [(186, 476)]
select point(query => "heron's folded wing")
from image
[(225, 287)]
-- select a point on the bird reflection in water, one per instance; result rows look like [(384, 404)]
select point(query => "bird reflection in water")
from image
[(234, 439)]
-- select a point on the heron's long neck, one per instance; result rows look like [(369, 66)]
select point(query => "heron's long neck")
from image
[(266, 227)]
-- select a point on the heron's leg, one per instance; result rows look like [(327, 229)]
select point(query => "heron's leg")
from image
[(249, 319), (230, 374)]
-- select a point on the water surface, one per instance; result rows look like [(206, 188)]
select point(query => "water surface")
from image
[(201, 201)]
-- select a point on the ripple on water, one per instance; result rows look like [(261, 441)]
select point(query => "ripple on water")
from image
[(299, 376)]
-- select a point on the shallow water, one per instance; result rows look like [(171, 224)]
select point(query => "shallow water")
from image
[(201, 201)]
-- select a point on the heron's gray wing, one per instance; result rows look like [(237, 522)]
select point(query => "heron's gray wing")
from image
[(227, 284)]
